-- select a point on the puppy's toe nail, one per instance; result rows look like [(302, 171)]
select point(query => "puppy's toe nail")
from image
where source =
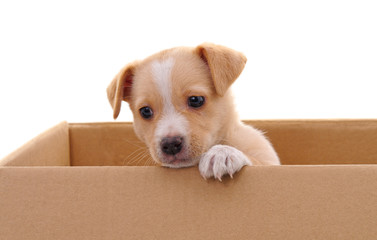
[(230, 172), (216, 176), (219, 178)]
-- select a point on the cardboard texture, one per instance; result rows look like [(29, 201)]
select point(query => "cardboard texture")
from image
[(87, 181)]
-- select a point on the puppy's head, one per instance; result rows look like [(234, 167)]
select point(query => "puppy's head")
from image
[(180, 100)]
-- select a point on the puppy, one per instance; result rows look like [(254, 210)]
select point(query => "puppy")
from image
[(184, 112)]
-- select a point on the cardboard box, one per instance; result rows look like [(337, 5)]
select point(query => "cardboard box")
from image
[(84, 181)]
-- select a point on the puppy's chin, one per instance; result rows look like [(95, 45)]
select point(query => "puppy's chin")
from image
[(174, 162), (180, 164)]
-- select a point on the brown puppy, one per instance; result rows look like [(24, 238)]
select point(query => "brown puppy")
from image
[(184, 112)]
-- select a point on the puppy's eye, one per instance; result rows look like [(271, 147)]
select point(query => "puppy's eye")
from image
[(195, 101), (146, 112)]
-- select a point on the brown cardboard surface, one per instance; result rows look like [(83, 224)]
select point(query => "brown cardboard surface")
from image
[(322, 141), (286, 202), (50, 148), (99, 198), (296, 142), (111, 144)]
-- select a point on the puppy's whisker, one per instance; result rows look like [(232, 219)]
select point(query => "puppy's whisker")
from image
[(138, 158), (151, 162), (143, 159), (137, 151), (133, 156), (147, 160)]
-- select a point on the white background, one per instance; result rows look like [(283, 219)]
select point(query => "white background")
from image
[(306, 59)]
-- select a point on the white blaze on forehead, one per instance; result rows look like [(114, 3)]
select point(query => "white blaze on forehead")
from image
[(162, 76), (171, 123)]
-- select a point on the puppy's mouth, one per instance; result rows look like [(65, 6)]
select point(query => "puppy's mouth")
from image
[(177, 162)]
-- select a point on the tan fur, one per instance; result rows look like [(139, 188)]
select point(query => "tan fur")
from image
[(207, 70), (118, 89), (224, 63)]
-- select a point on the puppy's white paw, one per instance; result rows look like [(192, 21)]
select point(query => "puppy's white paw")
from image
[(221, 160)]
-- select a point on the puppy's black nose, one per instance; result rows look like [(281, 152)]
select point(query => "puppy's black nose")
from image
[(172, 145)]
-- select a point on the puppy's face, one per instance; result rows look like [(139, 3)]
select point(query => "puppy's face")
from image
[(179, 100)]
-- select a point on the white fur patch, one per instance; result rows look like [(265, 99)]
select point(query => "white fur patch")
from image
[(221, 160), (162, 76), (171, 123)]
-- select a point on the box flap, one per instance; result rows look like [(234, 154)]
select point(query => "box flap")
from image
[(50, 148), (276, 202)]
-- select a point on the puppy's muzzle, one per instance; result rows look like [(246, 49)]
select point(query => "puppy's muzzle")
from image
[(171, 145)]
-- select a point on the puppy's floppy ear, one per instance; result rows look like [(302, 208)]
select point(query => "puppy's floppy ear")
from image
[(225, 64), (120, 88)]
